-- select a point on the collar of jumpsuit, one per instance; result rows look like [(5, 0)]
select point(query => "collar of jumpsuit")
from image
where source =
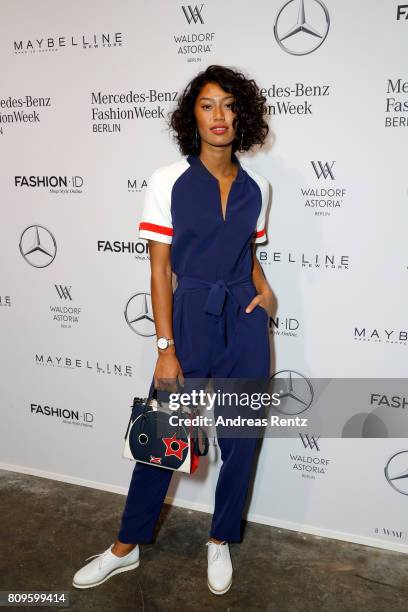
[(219, 289), (203, 172)]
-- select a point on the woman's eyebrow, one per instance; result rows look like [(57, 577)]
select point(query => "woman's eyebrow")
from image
[(207, 98)]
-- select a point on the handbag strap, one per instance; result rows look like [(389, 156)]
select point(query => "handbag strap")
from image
[(152, 393)]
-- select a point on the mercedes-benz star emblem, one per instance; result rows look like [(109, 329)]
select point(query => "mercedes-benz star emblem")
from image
[(304, 34), (294, 390), (38, 246), (396, 472), (139, 314)]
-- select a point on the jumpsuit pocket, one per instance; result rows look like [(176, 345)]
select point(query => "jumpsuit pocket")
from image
[(259, 307), (247, 294), (254, 313)]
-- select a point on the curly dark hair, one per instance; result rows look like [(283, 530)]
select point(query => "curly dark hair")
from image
[(250, 106)]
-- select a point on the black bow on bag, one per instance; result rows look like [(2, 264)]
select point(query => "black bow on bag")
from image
[(150, 437)]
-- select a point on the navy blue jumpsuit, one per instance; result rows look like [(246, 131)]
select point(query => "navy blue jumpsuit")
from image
[(214, 336)]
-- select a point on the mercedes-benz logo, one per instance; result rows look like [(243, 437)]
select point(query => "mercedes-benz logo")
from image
[(38, 246), (139, 314), (302, 37), (294, 390), (396, 472)]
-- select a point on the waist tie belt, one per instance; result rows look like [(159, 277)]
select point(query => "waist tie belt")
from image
[(217, 290)]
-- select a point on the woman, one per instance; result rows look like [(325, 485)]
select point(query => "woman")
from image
[(203, 216)]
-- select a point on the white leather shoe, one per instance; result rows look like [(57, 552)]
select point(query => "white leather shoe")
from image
[(219, 572), (105, 566)]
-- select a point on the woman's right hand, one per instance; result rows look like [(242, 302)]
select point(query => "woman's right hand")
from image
[(167, 371)]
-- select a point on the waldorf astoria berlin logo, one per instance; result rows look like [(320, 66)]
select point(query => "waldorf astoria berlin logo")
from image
[(301, 26), (193, 13), (323, 169), (195, 41)]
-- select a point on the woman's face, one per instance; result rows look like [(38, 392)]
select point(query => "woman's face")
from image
[(214, 114)]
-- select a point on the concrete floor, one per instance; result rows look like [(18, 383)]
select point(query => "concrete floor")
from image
[(48, 529)]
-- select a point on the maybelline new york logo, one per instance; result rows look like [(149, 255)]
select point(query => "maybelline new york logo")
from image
[(319, 262), (52, 43), (76, 363), (376, 335), (301, 27), (136, 185)]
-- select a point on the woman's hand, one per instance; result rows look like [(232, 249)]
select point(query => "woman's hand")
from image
[(264, 299), (167, 371)]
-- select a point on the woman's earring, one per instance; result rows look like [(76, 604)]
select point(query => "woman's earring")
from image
[(196, 138), (242, 138)]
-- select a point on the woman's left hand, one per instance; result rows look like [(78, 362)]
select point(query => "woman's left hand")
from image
[(263, 299)]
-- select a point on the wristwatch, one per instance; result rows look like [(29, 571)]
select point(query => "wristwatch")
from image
[(163, 343)]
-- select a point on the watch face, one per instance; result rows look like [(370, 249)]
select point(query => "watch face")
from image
[(162, 343)]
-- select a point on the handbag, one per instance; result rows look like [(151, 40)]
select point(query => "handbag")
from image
[(151, 438)]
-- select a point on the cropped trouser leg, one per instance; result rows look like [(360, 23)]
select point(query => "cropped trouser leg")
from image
[(232, 487), (144, 501)]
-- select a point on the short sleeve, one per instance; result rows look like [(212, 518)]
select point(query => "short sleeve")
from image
[(156, 221), (260, 234)]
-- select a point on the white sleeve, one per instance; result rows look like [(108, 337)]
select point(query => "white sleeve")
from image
[(260, 235), (156, 222)]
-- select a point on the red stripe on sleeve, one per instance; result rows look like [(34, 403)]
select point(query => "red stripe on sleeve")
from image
[(152, 227), (260, 233)]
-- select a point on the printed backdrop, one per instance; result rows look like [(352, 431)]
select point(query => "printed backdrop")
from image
[(84, 96)]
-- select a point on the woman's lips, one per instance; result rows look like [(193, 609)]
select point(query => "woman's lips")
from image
[(219, 130)]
